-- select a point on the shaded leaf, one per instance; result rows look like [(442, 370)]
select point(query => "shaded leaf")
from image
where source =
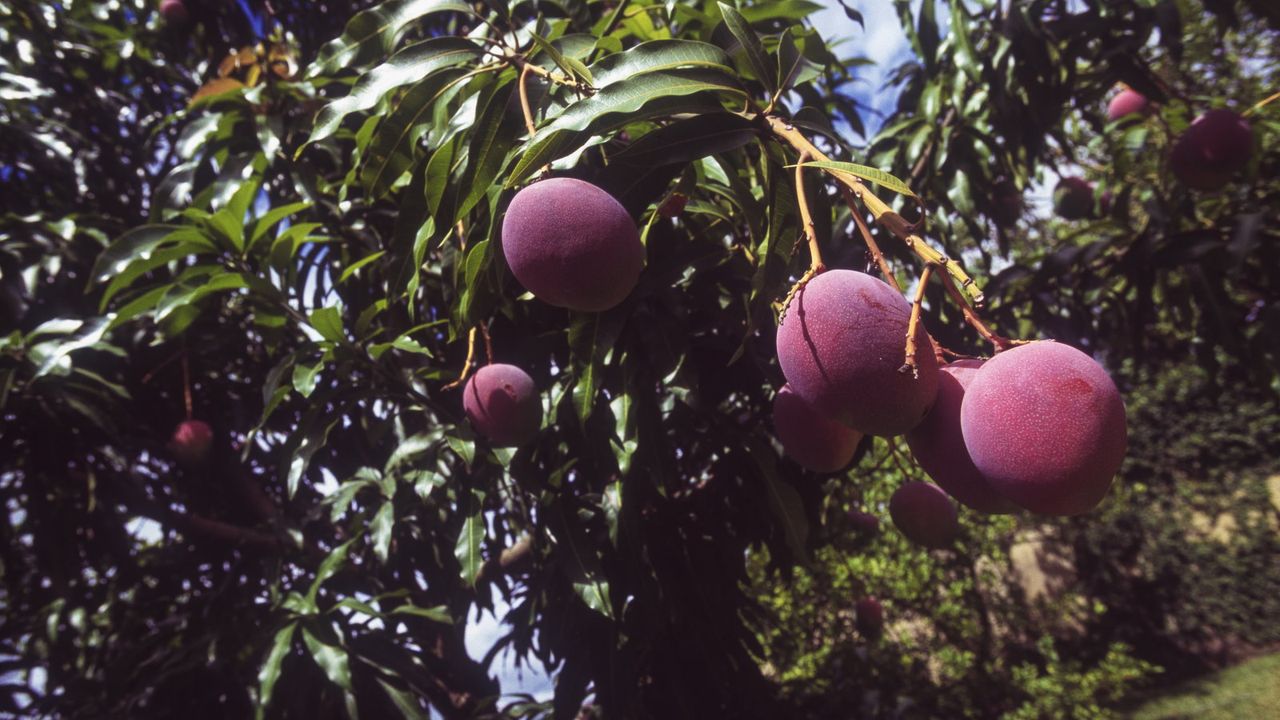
[(658, 93), (689, 139), (372, 33), (332, 660), (412, 64), (269, 673)]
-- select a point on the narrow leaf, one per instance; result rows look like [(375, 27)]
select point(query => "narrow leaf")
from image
[(372, 33), (863, 172), (411, 64), (269, 673), (468, 547), (764, 69), (332, 660)]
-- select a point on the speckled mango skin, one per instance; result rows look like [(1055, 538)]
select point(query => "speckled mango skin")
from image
[(572, 245), (1045, 424), (924, 514), (1215, 147), (840, 347), (502, 403), (938, 445), (810, 438)]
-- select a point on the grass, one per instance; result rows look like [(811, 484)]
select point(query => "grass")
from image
[(1250, 690)]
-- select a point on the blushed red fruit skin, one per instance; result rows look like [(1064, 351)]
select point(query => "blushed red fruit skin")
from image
[(1214, 148), (502, 403), (1045, 425), (174, 12), (938, 445), (1073, 198), (1126, 102), (572, 245), (869, 617), (924, 514), (840, 347), (864, 522), (190, 442), (810, 438)]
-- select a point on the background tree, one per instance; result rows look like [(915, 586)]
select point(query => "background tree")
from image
[(297, 243)]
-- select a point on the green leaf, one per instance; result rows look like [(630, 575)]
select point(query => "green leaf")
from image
[(411, 64), (595, 593), (332, 660), (592, 337), (141, 304), (689, 139), (390, 152), (652, 94), (311, 440), (784, 501), (185, 293), (381, 527), (498, 124), (372, 33), (133, 245), (573, 68), (354, 267), (149, 261), (658, 55), (793, 67), (871, 174), (462, 443), (781, 10), (286, 244), (305, 376), (269, 673), (262, 225), (328, 322), (764, 70), (331, 564), (468, 547), (406, 702), (439, 613), (351, 603)]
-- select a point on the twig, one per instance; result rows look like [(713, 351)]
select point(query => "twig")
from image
[(909, 364), (148, 377), (884, 215), (524, 101), (809, 274), (867, 238), (1261, 105), (806, 218), (488, 344), (971, 317), (466, 366), (555, 77)]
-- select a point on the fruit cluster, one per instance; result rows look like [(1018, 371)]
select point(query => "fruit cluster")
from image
[(1040, 426), (1206, 156)]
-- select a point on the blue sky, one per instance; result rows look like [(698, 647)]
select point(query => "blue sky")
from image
[(882, 41)]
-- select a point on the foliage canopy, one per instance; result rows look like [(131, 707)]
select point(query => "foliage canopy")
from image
[(295, 240)]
